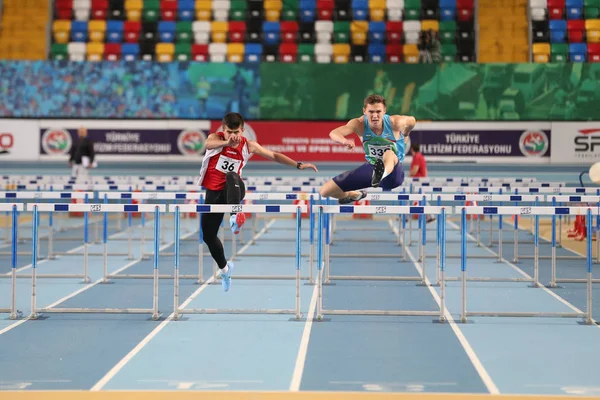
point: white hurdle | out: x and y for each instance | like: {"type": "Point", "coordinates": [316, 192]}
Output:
{"type": "Point", "coordinates": [222, 208]}
{"type": "Point", "coordinates": [536, 212]}
{"type": "Point", "coordinates": [96, 208]}
{"type": "Point", "coordinates": [323, 257]}
{"type": "Point", "coordinates": [13, 209]}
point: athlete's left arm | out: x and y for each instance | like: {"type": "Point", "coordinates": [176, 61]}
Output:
{"type": "Point", "coordinates": [280, 158]}
{"type": "Point", "coordinates": [403, 123]}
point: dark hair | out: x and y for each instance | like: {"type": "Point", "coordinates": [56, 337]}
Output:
{"type": "Point", "coordinates": [374, 99]}
{"type": "Point", "coordinates": [415, 147]}
{"type": "Point", "coordinates": [233, 120]}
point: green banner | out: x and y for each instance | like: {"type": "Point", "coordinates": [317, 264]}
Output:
{"type": "Point", "coordinates": [438, 92]}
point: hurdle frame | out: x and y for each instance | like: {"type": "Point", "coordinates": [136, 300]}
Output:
{"type": "Point", "coordinates": [13, 209]}
{"type": "Point", "coordinates": [102, 208]}
{"type": "Point", "coordinates": [321, 262]}
{"type": "Point", "coordinates": [225, 208]}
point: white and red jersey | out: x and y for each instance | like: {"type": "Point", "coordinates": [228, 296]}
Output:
{"type": "Point", "coordinates": [218, 162]}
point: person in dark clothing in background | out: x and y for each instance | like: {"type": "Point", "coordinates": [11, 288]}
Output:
{"type": "Point", "coordinates": [82, 155]}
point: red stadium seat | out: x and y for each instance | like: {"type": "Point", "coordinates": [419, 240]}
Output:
{"type": "Point", "coordinates": [132, 31]}
{"type": "Point", "coordinates": [393, 31]}
{"type": "Point", "coordinates": [576, 29]}
{"type": "Point", "coordinates": [593, 52]}
{"type": "Point", "coordinates": [99, 9]}
{"type": "Point", "coordinates": [465, 10]}
{"type": "Point", "coordinates": [288, 52]}
{"type": "Point", "coordinates": [393, 53]}
{"type": "Point", "coordinates": [237, 31]}
{"type": "Point", "coordinates": [200, 52]}
{"type": "Point", "coordinates": [168, 10]}
{"type": "Point", "coordinates": [325, 9]}
{"type": "Point", "coordinates": [289, 31]}
{"type": "Point", "coordinates": [64, 9]}
{"type": "Point", "coordinates": [112, 51]}
{"type": "Point", "coordinates": [556, 9]}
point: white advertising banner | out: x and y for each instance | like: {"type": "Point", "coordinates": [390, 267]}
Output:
{"type": "Point", "coordinates": [19, 140]}
{"type": "Point", "coordinates": [575, 143]}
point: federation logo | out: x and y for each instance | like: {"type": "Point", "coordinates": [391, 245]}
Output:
{"type": "Point", "coordinates": [191, 142]}
{"type": "Point", "coordinates": [56, 142]}
{"type": "Point", "coordinates": [533, 143]}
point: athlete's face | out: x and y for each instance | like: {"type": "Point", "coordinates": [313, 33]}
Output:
{"type": "Point", "coordinates": [374, 113]}
{"type": "Point", "coordinates": [229, 132]}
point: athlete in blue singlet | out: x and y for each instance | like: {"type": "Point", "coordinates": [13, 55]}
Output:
{"type": "Point", "coordinates": [383, 139]}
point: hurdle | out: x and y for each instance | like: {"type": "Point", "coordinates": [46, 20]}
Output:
{"type": "Point", "coordinates": [211, 208]}
{"type": "Point", "coordinates": [323, 258]}
{"type": "Point", "coordinates": [13, 209]}
{"type": "Point", "coordinates": [95, 208]}
{"type": "Point", "coordinates": [536, 212]}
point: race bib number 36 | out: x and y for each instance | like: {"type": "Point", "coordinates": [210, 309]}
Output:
{"type": "Point", "coordinates": [377, 151]}
{"type": "Point", "coordinates": [226, 164]}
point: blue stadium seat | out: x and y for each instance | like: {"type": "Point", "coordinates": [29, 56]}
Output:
{"type": "Point", "coordinates": [272, 31]}
{"type": "Point", "coordinates": [574, 9]}
{"type": "Point", "coordinates": [558, 30]}
{"type": "Point", "coordinates": [166, 31]}
{"type": "Point", "coordinates": [186, 10]}
{"type": "Point", "coordinates": [114, 31]}
{"type": "Point", "coordinates": [253, 52]}
{"type": "Point", "coordinates": [578, 52]}
{"type": "Point", "coordinates": [377, 32]}
{"type": "Point", "coordinates": [447, 10]}
{"type": "Point", "coordinates": [377, 52]}
{"type": "Point", "coordinates": [130, 51]}
{"type": "Point", "coordinates": [360, 10]}
{"type": "Point", "coordinates": [308, 10]}
{"type": "Point", "coordinates": [79, 31]}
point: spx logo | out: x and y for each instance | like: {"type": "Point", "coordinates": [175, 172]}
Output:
{"type": "Point", "coordinates": [487, 197]}
{"type": "Point", "coordinates": [587, 143]}
{"type": "Point", "coordinates": [381, 210]}
{"type": "Point", "coordinates": [236, 208]}
{"type": "Point", "coordinates": [7, 141]}
{"type": "Point", "coordinates": [95, 207]}
{"type": "Point", "coordinates": [375, 197]}
{"type": "Point", "coordinates": [525, 210]}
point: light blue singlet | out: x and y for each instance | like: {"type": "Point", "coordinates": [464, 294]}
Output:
{"type": "Point", "coordinates": [375, 145]}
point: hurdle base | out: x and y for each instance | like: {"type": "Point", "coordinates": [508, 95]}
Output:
{"type": "Point", "coordinates": [373, 278]}
{"type": "Point", "coordinates": [526, 314]}
{"type": "Point", "coordinates": [235, 311]}
{"type": "Point", "coordinates": [553, 286]}
{"type": "Point", "coordinates": [577, 280]}
{"type": "Point", "coordinates": [42, 311]}
{"type": "Point", "coordinates": [486, 279]}
{"type": "Point", "coordinates": [391, 313]}
{"type": "Point", "coordinates": [66, 276]}
{"type": "Point", "coordinates": [17, 315]}
{"type": "Point", "coordinates": [535, 285]}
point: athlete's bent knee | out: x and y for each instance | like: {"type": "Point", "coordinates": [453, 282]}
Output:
{"type": "Point", "coordinates": [230, 176]}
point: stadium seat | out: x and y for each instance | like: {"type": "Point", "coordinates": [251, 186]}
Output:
{"type": "Point", "coordinates": [323, 52]}
{"type": "Point", "coordinates": [61, 30]}
{"type": "Point", "coordinates": [253, 52]}
{"type": "Point", "coordinates": [558, 30]}
{"type": "Point", "coordinates": [591, 9]}
{"type": "Point", "coordinates": [79, 31]}
{"type": "Point", "coordinates": [95, 51]}
{"type": "Point", "coordinates": [412, 30]}
{"type": "Point", "coordinates": [183, 51]}
{"type": "Point", "coordinates": [273, 10]}
{"type": "Point", "coordinates": [377, 10]}
{"type": "Point", "coordinates": [203, 10]}
{"type": "Point", "coordinates": [289, 31]}
{"type": "Point", "coordinates": [59, 52]}
{"type": "Point", "coordinates": [254, 31]}
{"type": "Point", "coordinates": [218, 31]}
{"type": "Point", "coordinates": [342, 10]}
{"type": "Point", "coordinates": [394, 32]}
{"type": "Point", "coordinates": [185, 10]}
{"type": "Point", "coordinates": [359, 54]}
{"type": "Point", "coordinates": [576, 30]}
{"type": "Point", "coordinates": [540, 31]}
{"type": "Point", "coordinates": [220, 9]}
{"type": "Point", "coordinates": [377, 53]}
{"type": "Point", "coordinates": [559, 52]}
{"type": "Point", "coordinates": [341, 53]}
{"type": "Point", "coordinates": [395, 10]}
{"type": "Point", "coordinates": [183, 31]}
{"type": "Point", "coordinates": [77, 51]}
{"type": "Point", "coordinates": [272, 31]}
{"type": "Point", "coordinates": [131, 31]}
{"type": "Point", "coordinates": [359, 31]}
{"type": "Point", "coordinates": [360, 10]}
{"type": "Point", "coordinates": [114, 31]}
{"type": "Point", "coordinates": [465, 10]}
{"type": "Point", "coordinates": [130, 51]}
{"type": "Point", "coordinates": [116, 10]}
{"type": "Point", "coordinates": [237, 31]}
{"type": "Point", "coordinates": [577, 52]}
{"type": "Point", "coordinates": [151, 11]}
{"type": "Point", "coordinates": [217, 52]}
{"type": "Point", "coordinates": [97, 30]}
{"type": "Point", "coordinates": [112, 51]}
{"type": "Point", "coordinates": [306, 52]}
{"type": "Point", "coordinates": [133, 10]}
{"type": "Point", "coordinates": [168, 10]}
{"type": "Point", "coordinates": [235, 52]}
{"type": "Point", "coordinates": [237, 11]}
{"type": "Point", "coordinates": [270, 53]}
{"type": "Point", "coordinates": [64, 9]}
{"type": "Point", "coordinates": [147, 50]}
{"type": "Point", "coordinates": [341, 32]}
{"type": "Point", "coordinates": [201, 31]}
{"type": "Point", "coordinates": [411, 53]}
{"type": "Point", "coordinates": [574, 9]}
{"type": "Point", "coordinates": [592, 27]}
{"type": "Point", "coordinates": [377, 32]}
{"type": "Point", "coordinates": [99, 9]}
{"type": "Point", "coordinates": [593, 52]}
{"type": "Point", "coordinates": [307, 10]}
{"type": "Point", "coordinates": [200, 52]}
{"type": "Point", "coordinates": [393, 53]}
{"type": "Point", "coordinates": [556, 9]}
{"type": "Point", "coordinates": [447, 10]}
{"type": "Point", "coordinates": [541, 52]}
{"type": "Point", "coordinates": [165, 52]}
{"type": "Point", "coordinates": [449, 52]}
{"type": "Point", "coordinates": [448, 32]}
{"type": "Point", "coordinates": [166, 31]}
{"type": "Point", "coordinates": [288, 52]}
{"type": "Point", "coordinates": [82, 9]}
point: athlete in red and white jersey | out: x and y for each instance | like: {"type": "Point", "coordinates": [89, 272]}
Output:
{"type": "Point", "coordinates": [227, 153]}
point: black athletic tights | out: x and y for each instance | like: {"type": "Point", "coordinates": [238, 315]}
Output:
{"type": "Point", "coordinates": [233, 193]}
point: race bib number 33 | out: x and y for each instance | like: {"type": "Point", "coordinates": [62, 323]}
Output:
{"type": "Point", "coordinates": [226, 164]}
{"type": "Point", "coordinates": [377, 151]}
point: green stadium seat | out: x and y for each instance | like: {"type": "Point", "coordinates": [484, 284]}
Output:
{"type": "Point", "coordinates": [591, 9]}
{"type": "Point", "coordinates": [237, 12]}
{"type": "Point", "coordinates": [59, 51]}
{"type": "Point", "coordinates": [448, 52]}
{"type": "Point", "coordinates": [183, 51]}
{"type": "Point", "coordinates": [183, 31]}
{"type": "Point", "coordinates": [289, 12]}
{"type": "Point", "coordinates": [559, 52]}
{"type": "Point", "coordinates": [306, 52]}
{"type": "Point", "coordinates": [151, 11]}
{"type": "Point", "coordinates": [412, 10]}
{"type": "Point", "coordinates": [341, 32]}
{"type": "Point", "coordinates": [448, 31]}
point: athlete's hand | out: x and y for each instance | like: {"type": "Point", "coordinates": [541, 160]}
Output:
{"type": "Point", "coordinates": [308, 165]}
{"type": "Point", "coordinates": [349, 144]}
{"type": "Point", "coordinates": [233, 140]}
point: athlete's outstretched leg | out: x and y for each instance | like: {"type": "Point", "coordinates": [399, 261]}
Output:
{"type": "Point", "coordinates": [383, 167]}
{"type": "Point", "coordinates": [235, 190]}
{"type": "Point", "coordinates": [331, 189]}
{"type": "Point", "coordinates": [210, 229]}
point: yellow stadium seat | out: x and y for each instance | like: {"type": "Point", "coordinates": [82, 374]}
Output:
{"type": "Point", "coordinates": [95, 51]}
{"type": "Point", "coordinates": [235, 52]}
{"type": "Point", "coordinates": [541, 52]}
{"type": "Point", "coordinates": [133, 9]}
{"type": "Point", "coordinates": [61, 30]}
{"type": "Point", "coordinates": [430, 24]}
{"type": "Point", "coordinates": [411, 53]}
{"type": "Point", "coordinates": [377, 10]}
{"type": "Point", "coordinates": [219, 31]}
{"type": "Point", "coordinates": [592, 27]}
{"type": "Point", "coordinates": [203, 10]}
{"type": "Point", "coordinates": [273, 10]}
{"type": "Point", "coordinates": [165, 52]}
{"type": "Point", "coordinates": [341, 53]}
{"type": "Point", "coordinates": [97, 30]}
{"type": "Point", "coordinates": [358, 32]}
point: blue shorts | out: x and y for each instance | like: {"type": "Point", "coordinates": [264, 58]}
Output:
{"type": "Point", "coordinates": [360, 178]}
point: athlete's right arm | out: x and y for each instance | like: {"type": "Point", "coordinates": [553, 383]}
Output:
{"type": "Point", "coordinates": [339, 134]}
{"type": "Point", "coordinates": [214, 141]}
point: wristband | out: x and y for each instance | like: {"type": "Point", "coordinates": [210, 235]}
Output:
{"type": "Point", "coordinates": [298, 164]}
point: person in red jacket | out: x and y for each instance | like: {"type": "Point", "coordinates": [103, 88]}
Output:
{"type": "Point", "coordinates": [418, 166]}
{"type": "Point", "coordinates": [227, 153]}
